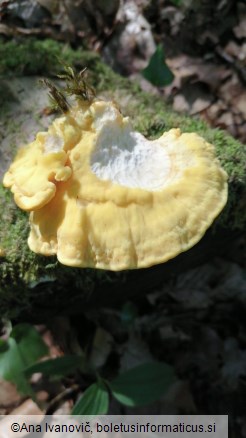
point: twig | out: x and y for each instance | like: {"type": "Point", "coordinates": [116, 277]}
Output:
{"type": "Point", "coordinates": [60, 397]}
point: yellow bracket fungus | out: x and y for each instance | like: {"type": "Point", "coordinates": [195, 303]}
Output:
{"type": "Point", "coordinates": [101, 195]}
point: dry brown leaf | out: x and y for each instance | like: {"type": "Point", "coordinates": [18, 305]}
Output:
{"type": "Point", "coordinates": [231, 89]}
{"type": "Point", "coordinates": [180, 104]}
{"type": "Point", "coordinates": [233, 49]}
{"type": "Point", "coordinates": [65, 408]}
{"type": "Point", "coordinates": [50, 5]}
{"type": "Point", "coordinates": [234, 363]}
{"type": "Point", "coordinates": [226, 119]}
{"type": "Point", "coordinates": [185, 67]}
{"type": "Point", "coordinates": [240, 103]}
{"type": "Point", "coordinates": [199, 105]}
{"type": "Point", "coordinates": [134, 352]}
{"type": "Point", "coordinates": [174, 16]}
{"type": "Point", "coordinates": [8, 394]}
{"type": "Point", "coordinates": [240, 29]}
{"type": "Point", "coordinates": [23, 411]}
{"type": "Point", "coordinates": [193, 298]}
{"type": "Point", "coordinates": [29, 407]}
{"type": "Point", "coordinates": [215, 110]}
{"type": "Point", "coordinates": [242, 132]}
{"type": "Point", "coordinates": [181, 397]}
{"type": "Point", "coordinates": [168, 333]}
{"type": "Point", "coordinates": [5, 30]}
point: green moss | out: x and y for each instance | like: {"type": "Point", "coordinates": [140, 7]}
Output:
{"type": "Point", "coordinates": [28, 281]}
{"type": "Point", "coordinates": [31, 56]}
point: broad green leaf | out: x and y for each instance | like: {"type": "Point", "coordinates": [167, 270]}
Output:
{"type": "Point", "coordinates": [143, 384]}
{"type": "Point", "coordinates": [22, 349]}
{"type": "Point", "coordinates": [4, 346]}
{"type": "Point", "coordinates": [157, 72]}
{"type": "Point", "coordinates": [58, 367]}
{"type": "Point", "coordinates": [11, 366]}
{"type": "Point", "coordinates": [30, 344]}
{"type": "Point", "coordinates": [94, 401]}
{"type": "Point", "coordinates": [177, 2]}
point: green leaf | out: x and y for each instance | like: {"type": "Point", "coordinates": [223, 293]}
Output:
{"type": "Point", "coordinates": [30, 344]}
{"type": "Point", "coordinates": [143, 384]}
{"type": "Point", "coordinates": [58, 367]}
{"type": "Point", "coordinates": [157, 72]}
{"type": "Point", "coordinates": [177, 2]}
{"type": "Point", "coordinates": [3, 346]}
{"type": "Point", "coordinates": [22, 349]}
{"type": "Point", "coordinates": [11, 366]}
{"type": "Point", "coordinates": [94, 401]}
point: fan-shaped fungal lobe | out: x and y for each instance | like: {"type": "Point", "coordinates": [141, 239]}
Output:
{"type": "Point", "coordinates": [101, 195]}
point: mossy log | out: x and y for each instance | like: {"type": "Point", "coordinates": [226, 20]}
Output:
{"type": "Point", "coordinates": [37, 287]}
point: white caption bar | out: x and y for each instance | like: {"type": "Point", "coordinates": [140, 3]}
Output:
{"type": "Point", "coordinates": [109, 426]}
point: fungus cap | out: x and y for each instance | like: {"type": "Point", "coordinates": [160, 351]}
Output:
{"type": "Point", "coordinates": [101, 195]}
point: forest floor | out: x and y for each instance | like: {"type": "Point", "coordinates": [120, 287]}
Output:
{"type": "Point", "coordinates": [195, 322]}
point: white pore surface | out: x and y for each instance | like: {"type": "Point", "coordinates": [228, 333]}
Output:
{"type": "Point", "coordinates": [53, 140]}
{"type": "Point", "coordinates": [53, 143]}
{"type": "Point", "coordinates": [126, 157]}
